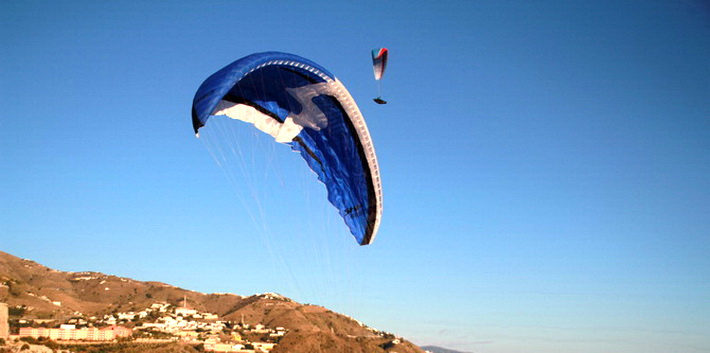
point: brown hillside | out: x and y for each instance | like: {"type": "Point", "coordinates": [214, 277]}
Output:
{"type": "Point", "coordinates": [322, 342]}
{"type": "Point", "coordinates": [50, 294]}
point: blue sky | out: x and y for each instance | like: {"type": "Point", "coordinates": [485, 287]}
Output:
{"type": "Point", "coordinates": [545, 165]}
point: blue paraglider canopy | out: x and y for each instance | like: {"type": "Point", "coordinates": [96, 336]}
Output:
{"type": "Point", "coordinates": [300, 103]}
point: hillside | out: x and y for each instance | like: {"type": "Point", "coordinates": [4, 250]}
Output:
{"type": "Point", "coordinates": [46, 293]}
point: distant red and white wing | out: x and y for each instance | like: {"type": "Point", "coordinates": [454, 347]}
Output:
{"type": "Point", "coordinates": [379, 62]}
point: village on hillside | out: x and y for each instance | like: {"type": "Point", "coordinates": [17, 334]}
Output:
{"type": "Point", "coordinates": [161, 322]}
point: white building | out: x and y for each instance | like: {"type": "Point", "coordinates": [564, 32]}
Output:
{"type": "Point", "coordinates": [263, 346]}
{"type": "Point", "coordinates": [185, 312]}
{"type": "Point", "coordinates": [4, 321]}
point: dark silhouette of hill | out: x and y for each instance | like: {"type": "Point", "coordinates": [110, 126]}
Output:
{"type": "Point", "coordinates": [51, 294]}
{"type": "Point", "coordinates": [435, 349]}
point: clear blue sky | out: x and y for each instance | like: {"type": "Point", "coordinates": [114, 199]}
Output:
{"type": "Point", "coordinates": [545, 165]}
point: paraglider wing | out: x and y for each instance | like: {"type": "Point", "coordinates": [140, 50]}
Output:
{"type": "Point", "coordinates": [379, 62]}
{"type": "Point", "coordinates": [300, 103]}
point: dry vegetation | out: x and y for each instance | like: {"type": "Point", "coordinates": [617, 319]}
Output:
{"type": "Point", "coordinates": [34, 291]}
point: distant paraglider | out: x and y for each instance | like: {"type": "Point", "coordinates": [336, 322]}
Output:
{"type": "Point", "coordinates": [379, 64]}
{"type": "Point", "coordinates": [303, 105]}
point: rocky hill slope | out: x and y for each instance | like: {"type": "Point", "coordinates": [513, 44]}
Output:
{"type": "Point", "coordinates": [46, 293]}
